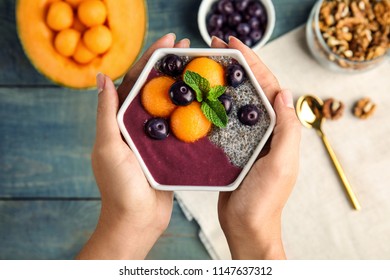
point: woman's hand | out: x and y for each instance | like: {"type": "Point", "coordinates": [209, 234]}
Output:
{"type": "Point", "coordinates": [250, 216]}
{"type": "Point", "coordinates": [133, 215]}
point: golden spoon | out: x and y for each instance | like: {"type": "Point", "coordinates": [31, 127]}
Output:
{"type": "Point", "coordinates": [309, 111]}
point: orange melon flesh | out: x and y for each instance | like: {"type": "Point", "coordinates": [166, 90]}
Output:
{"type": "Point", "coordinates": [127, 21]}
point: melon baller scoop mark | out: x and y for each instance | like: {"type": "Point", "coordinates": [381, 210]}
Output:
{"type": "Point", "coordinates": [309, 111]}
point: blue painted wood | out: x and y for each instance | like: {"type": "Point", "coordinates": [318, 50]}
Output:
{"type": "Point", "coordinates": [58, 230]}
{"type": "Point", "coordinates": [164, 16]}
{"type": "Point", "coordinates": [46, 135]}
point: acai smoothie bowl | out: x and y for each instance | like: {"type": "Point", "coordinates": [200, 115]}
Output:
{"type": "Point", "coordinates": [196, 119]}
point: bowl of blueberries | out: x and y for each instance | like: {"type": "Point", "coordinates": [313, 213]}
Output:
{"type": "Point", "coordinates": [251, 21]}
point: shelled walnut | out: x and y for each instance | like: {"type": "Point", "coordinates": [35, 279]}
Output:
{"type": "Point", "coordinates": [364, 108]}
{"type": "Point", "coordinates": [357, 30]}
{"type": "Point", "coordinates": [332, 109]}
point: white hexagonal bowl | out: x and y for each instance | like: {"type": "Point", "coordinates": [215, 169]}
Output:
{"type": "Point", "coordinates": [192, 53]}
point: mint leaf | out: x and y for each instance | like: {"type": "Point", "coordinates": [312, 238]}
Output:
{"type": "Point", "coordinates": [211, 107]}
{"type": "Point", "coordinates": [191, 81]}
{"type": "Point", "coordinates": [215, 112]}
{"type": "Point", "coordinates": [215, 92]}
{"type": "Point", "coordinates": [199, 84]}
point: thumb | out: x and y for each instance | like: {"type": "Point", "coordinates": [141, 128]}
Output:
{"type": "Point", "coordinates": [106, 124]}
{"type": "Point", "coordinates": [287, 133]}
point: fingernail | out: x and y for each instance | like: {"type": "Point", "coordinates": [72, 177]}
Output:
{"type": "Point", "coordinates": [287, 98]}
{"type": "Point", "coordinates": [214, 38]}
{"type": "Point", "coordinates": [100, 82]}
{"type": "Point", "coordinates": [172, 34]}
{"type": "Point", "coordinates": [233, 38]}
{"type": "Point", "coordinates": [185, 40]}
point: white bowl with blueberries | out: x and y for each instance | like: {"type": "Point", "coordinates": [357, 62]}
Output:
{"type": "Point", "coordinates": [251, 21]}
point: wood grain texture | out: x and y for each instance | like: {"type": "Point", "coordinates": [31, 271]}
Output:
{"type": "Point", "coordinates": [46, 135]}
{"type": "Point", "coordinates": [59, 229]}
{"type": "Point", "coordinates": [175, 16]}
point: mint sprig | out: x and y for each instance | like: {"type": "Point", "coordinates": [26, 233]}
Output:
{"type": "Point", "coordinates": [199, 84]}
{"type": "Point", "coordinates": [211, 107]}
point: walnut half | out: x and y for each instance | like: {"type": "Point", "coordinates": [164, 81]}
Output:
{"type": "Point", "coordinates": [332, 109]}
{"type": "Point", "coordinates": [364, 108]}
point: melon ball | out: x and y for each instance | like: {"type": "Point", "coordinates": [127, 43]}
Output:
{"type": "Point", "coordinates": [92, 12]}
{"type": "Point", "coordinates": [66, 41]}
{"type": "Point", "coordinates": [59, 16]}
{"type": "Point", "coordinates": [98, 39]}
{"type": "Point", "coordinates": [82, 54]}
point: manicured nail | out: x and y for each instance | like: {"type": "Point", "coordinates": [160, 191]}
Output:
{"type": "Point", "coordinates": [287, 98]}
{"type": "Point", "coordinates": [171, 34]}
{"type": "Point", "coordinates": [232, 38]}
{"type": "Point", "coordinates": [216, 39]}
{"type": "Point", "coordinates": [185, 40]}
{"type": "Point", "coordinates": [100, 82]}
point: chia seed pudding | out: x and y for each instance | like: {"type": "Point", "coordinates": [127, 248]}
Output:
{"type": "Point", "coordinates": [215, 160]}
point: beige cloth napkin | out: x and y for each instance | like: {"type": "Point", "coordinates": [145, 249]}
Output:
{"type": "Point", "coordinates": [318, 220]}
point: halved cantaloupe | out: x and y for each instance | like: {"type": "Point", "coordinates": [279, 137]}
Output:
{"type": "Point", "coordinates": [126, 19]}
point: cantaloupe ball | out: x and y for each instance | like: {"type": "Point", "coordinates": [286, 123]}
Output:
{"type": "Point", "coordinates": [98, 39]}
{"type": "Point", "coordinates": [92, 12]}
{"type": "Point", "coordinates": [59, 16]}
{"type": "Point", "coordinates": [66, 41]}
{"type": "Point", "coordinates": [74, 3]}
{"type": "Point", "coordinates": [82, 54]}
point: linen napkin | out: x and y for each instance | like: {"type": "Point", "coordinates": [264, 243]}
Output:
{"type": "Point", "coordinates": [318, 220]}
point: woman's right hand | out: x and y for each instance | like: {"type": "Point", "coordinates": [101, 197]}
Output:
{"type": "Point", "coordinates": [250, 216]}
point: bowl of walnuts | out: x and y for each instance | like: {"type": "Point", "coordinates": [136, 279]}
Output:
{"type": "Point", "coordinates": [349, 35]}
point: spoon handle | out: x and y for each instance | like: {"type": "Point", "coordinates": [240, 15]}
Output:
{"type": "Point", "coordinates": [341, 173]}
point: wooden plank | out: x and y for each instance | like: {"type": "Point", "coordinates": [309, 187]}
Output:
{"type": "Point", "coordinates": [15, 68]}
{"type": "Point", "coordinates": [59, 229]}
{"type": "Point", "coordinates": [163, 17]}
{"type": "Point", "coordinates": [180, 241]}
{"type": "Point", "coordinates": [46, 136]}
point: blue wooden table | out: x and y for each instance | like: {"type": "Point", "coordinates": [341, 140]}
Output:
{"type": "Point", "coordinates": [49, 202]}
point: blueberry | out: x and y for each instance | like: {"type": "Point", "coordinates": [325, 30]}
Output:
{"type": "Point", "coordinates": [256, 9]}
{"type": "Point", "coordinates": [217, 33]}
{"type": "Point", "coordinates": [227, 102]}
{"type": "Point", "coordinates": [157, 128]}
{"type": "Point", "coordinates": [256, 35]}
{"type": "Point", "coordinates": [181, 94]}
{"type": "Point", "coordinates": [241, 5]}
{"type": "Point", "coordinates": [215, 21]}
{"type": "Point", "coordinates": [225, 7]}
{"type": "Point", "coordinates": [254, 23]}
{"type": "Point", "coordinates": [263, 18]}
{"type": "Point", "coordinates": [172, 65]}
{"type": "Point", "coordinates": [246, 40]}
{"type": "Point", "coordinates": [234, 19]}
{"type": "Point", "coordinates": [243, 29]}
{"type": "Point", "coordinates": [235, 75]}
{"type": "Point", "coordinates": [249, 114]}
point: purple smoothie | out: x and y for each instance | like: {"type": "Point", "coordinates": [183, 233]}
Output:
{"type": "Point", "coordinates": [173, 162]}
{"type": "Point", "coordinates": [215, 160]}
